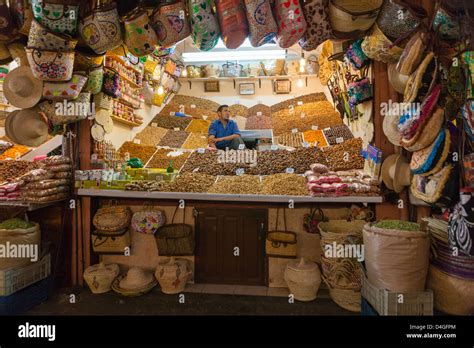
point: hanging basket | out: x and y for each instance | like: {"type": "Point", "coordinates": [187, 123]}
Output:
{"type": "Point", "coordinates": [281, 243]}
{"type": "Point", "coordinates": [113, 218]}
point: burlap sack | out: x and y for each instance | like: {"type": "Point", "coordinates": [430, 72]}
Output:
{"type": "Point", "coordinates": [19, 239]}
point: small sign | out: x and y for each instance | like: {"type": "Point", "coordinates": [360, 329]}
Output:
{"type": "Point", "coordinates": [193, 106]}
{"type": "Point", "coordinates": [136, 141]}
{"type": "Point", "coordinates": [195, 170]}
{"type": "Point", "coordinates": [176, 129]}
{"type": "Point", "coordinates": [241, 146]}
{"type": "Point", "coordinates": [204, 117]}
{"type": "Point", "coordinates": [314, 127]}
{"type": "Point", "coordinates": [259, 113]}
{"type": "Point", "coordinates": [201, 150]}
{"type": "Point", "coordinates": [294, 130]}
{"type": "Point", "coordinates": [327, 129]}
{"type": "Point", "coordinates": [274, 147]}
{"type": "Point", "coordinates": [154, 124]}
{"type": "Point", "coordinates": [300, 103]}
{"type": "Point", "coordinates": [240, 171]}
{"type": "Point", "coordinates": [289, 170]}
{"type": "Point", "coordinates": [302, 115]}
{"type": "Point", "coordinates": [339, 140]}
{"type": "Point", "coordinates": [305, 144]}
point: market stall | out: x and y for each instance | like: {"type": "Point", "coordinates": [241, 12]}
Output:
{"type": "Point", "coordinates": [350, 127]}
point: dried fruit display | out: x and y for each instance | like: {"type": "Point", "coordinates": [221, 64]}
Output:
{"type": "Point", "coordinates": [308, 98]}
{"type": "Point", "coordinates": [240, 184]}
{"type": "Point", "coordinates": [345, 156]}
{"type": "Point", "coordinates": [192, 182]}
{"type": "Point", "coordinates": [264, 109]}
{"type": "Point", "coordinates": [284, 184]}
{"type": "Point", "coordinates": [198, 126]}
{"type": "Point", "coordinates": [198, 113]}
{"type": "Point", "coordinates": [143, 185]}
{"type": "Point", "coordinates": [289, 139]}
{"type": "Point", "coordinates": [151, 135]}
{"type": "Point", "coordinates": [162, 158]}
{"type": "Point", "coordinates": [315, 137]}
{"type": "Point", "coordinates": [201, 103]}
{"type": "Point", "coordinates": [338, 134]}
{"type": "Point", "coordinates": [10, 170]}
{"type": "Point", "coordinates": [174, 138]}
{"type": "Point", "coordinates": [140, 151]}
{"type": "Point", "coordinates": [195, 141]}
{"type": "Point", "coordinates": [238, 110]}
{"type": "Point", "coordinates": [171, 122]}
{"type": "Point", "coordinates": [241, 121]}
{"type": "Point", "coordinates": [15, 152]}
{"type": "Point", "coordinates": [258, 122]}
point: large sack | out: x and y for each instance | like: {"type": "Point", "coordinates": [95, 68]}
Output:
{"type": "Point", "coordinates": [19, 239]}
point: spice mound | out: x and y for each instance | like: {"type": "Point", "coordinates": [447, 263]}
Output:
{"type": "Point", "coordinates": [284, 184]}
{"type": "Point", "coordinates": [192, 182]}
{"type": "Point", "coordinates": [241, 184]}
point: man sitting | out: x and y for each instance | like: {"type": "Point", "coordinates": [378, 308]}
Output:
{"type": "Point", "coordinates": [224, 133]}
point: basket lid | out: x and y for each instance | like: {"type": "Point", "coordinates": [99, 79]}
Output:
{"type": "Point", "coordinates": [102, 269]}
{"type": "Point", "coordinates": [302, 265]}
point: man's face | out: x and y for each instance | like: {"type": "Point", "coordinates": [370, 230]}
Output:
{"type": "Point", "coordinates": [224, 114]}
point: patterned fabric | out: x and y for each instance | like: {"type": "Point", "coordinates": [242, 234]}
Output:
{"type": "Point", "coordinates": [359, 91]}
{"type": "Point", "coordinates": [424, 160]}
{"type": "Point", "coordinates": [94, 82]}
{"type": "Point", "coordinates": [290, 20]}
{"type": "Point", "coordinates": [64, 90]}
{"type": "Point", "coordinates": [111, 85]}
{"type": "Point", "coordinates": [44, 39]}
{"type": "Point", "coordinates": [205, 30]}
{"type": "Point", "coordinates": [140, 38]}
{"type": "Point", "coordinates": [396, 20]}
{"type": "Point", "coordinates": [170, 24]}
{"type": "Point", "coordinates": [355, 56]}
{"type": "Point", "coordinates": [319, 29]}
{"type": "Point", "coordinates": [233, 22]}
{"type": "Point", "coordinates": [148, 222]}
{"type": "Point", "coordinates": [101, 29]}
{"type": "Point", "coordinates": [461, 223]}
{"type": "Point", "coordinates": [262, 25]}
{"type": "Point", "coordinates": [446, 24]}
{"type": "Point", "coordinates": [378, 47]}
{"type": "Point", "coordinates": [57, 17]}
{"type": "Point", "coordinates": [50, 65]}
{"type": "Point", "coordinates": [468, 60]}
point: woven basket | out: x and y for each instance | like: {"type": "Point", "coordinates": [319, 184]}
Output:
{"type": "Point", "coordinates": [350, 19]}
{"type": "Point", "coordinates": [341, 273]}
{"type": "Point", "coordinates": [110, 242]}
{"type": "Point", "coordinates": [132, 293]}
{"type": "Point", "coordinates": [99, 277]}
{"type": "Point", "coordinates": [19, 236]}
{"type": "Point", "coordinates": [346, 298]}
{"type": "Point", "coordinates": [281, 243]}
{"type": "Point", "coordinates": [175, 239]}
{"type": "Point", "coordinates": [173, 275]}
{"type": "Point", "coordinates": [113, 218]}
{"type": "Point", "coordinates": [452, 295]}
{"type": "Point", "coordinates": [303, 279]}
{"type": "Point", "coordinates": [339, 230]}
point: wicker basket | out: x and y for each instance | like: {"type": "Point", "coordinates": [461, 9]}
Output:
{"type": "Point", "coordinates": [338, 231]}
{"type": "Point", "coordinates": [113, 218]}
{"type": "Point", "coordinates": [99, 277]}
{"type": "Point", "coordinates": [348, 299]}
{"type": "Point", "coordinates": [281, 243]}
{"type": "Point", "coordinates": [175, 239]}
{"type": "Point", "coordinates": [173, 275]}
{"type": "Point", "coordinates": [110, 242]}
{"type": "Point", "coordinates": [342, 273]}
{"type": "Point", "coordinates": [352, 18]}
{"type": "Point", "coordinates": [452, 295]}
{"type": "Point", "coordinates": [303, 279]}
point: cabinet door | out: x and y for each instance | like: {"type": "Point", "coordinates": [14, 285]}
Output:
{"type": "Point", "coordinates": [230, 246]}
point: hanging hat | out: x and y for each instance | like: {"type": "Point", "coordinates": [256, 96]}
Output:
{"type": "Point", "coordinates": [396, 172]}
{"type": "Point", "coordinates": [27, 127]}
{"type": "Point", "coordinates": [427, 134]}
{"type": "Point", "coordinates": [440, 189]}
{"type": "Point", "coordinates": [397, 81]}
{"type": "Point", "coordinates": [17, 51]}
{"type": "Point", "coordinates": [430, 160]}
{"type": "Point", "coordinates": [390, 124]}
{"type": "Point", "coordinates": [422, 80]}
{"type": "Point", "coordinates": [22, 89]}
{"type": "Point", "coordinates": [136, 282]}
{"type": "Point", "coordinates": [5, 56]}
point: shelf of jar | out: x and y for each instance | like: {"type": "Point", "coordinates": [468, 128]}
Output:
{"type": "Point", "coordinates": [124, 121]}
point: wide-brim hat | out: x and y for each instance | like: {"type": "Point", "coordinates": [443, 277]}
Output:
{"type": "Point", "coordinates": [396, 172]}
{"type": "Point", "coordinates": [397, 80]}
{"type": "Point", "coordinates": [427, 134]}
{"type": "Point", "coordinates": [422, 79]}
{"type": "Point", "coordinates": [390, 127]}
{"type": "Point", "coordinates": [22, 89]}
{"type": "Point", "coordinates": [17, 51]}
{"type": "Point", "coordinates": [440, 189]}
{"type": "Point", "coordinates": [136, 282]}
{"type": "Point", "coordinates": [5, 56]}
{"type": "Point", "coordinates": [27, 127]}
{"type": "Point", "coordinates": [430, 160]}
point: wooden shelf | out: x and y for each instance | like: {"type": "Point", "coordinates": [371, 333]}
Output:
{"type": "Point", "coordinates": [30, 206]}
{"type": "Point", "coordinates": [254, 78]}
{"type": "Point", "coordinates": [126, 122]}
{"type": "Point", "coordinates": [125, 78]}
{"type": "Point", "coordinates": [123, 101]}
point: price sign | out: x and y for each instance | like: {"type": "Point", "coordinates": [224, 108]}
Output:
{"type": "Point", "coordinates": [136, 141]}
{"type": "Point", "coordinates": [195, 170]}
{"type": "Point", "coordinates": [339, 140]}
{"type": "Point", "coordinates": [314, 127]}
{"type": "Point", "coordinates": [305, 144]}
{"type": "Point", "coordinates": [241, 146]}
{"type": "Point", "coordinates": [193, 106]}
{"type": "Point", "coordinates": [300, 103]}
{"type": "Point", "coordinates": [181, 108]}
{"type": "Point", "coordinates": [294, 130]}
{"type": "Point", "coordinates": [327, 129]}
{"type": "Point", "coordinates": [240, 171]}
{"type": "Point", "coordinates": [176, 129]}
{"type": "Point", "coordinates": [289, 171]}
{"type": "Point", "coordinates": [201, 150]}
{"type": "Point", "coordinates": [204, 117]}
{"type": "Point", "coordinates": [274, 147]}
{"type": "Point", "coordinates": [94, 157]}
{"type": "Point", "coordinates": [154, 124]}
{"type": "Point", "coordinates": [302, 115]}
{"type": "Point", "coordinates": [259, 113]}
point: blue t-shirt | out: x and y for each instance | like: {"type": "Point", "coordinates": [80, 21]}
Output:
{"type": "Point", "coordinates": [217, 129]}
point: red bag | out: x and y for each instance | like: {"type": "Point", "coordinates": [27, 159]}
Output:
{"type": "Point", "coordinates": [233, 22]}
{"type": "Point", "coordinates": [291, 22]}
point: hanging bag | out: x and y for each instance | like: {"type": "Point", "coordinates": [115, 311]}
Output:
{"type": "Point", "coordinates": [148, 221]}
{"type": "Point", "coordinates": [175, 239]}
{"type": "Point", "coordinates": [291, 22]}
{"type": "Point", "coordinates": [379, 47]}
{"type": "Point", "coordinates": [233, 22]}
{"type": "Point", "coordinates": [58, 15]}
{"type": "Point", "coordinates": [140, 38]}
{"type": "Point", "coordinates": [8, 29]}
{"type": "Point", "coordinates": [22, 13]}
{"type": "Point", "coordinates": [43, 38]}
{"type": "Point", "coordinates": [281, 243]}
{"type": "Point", "coordinates": [319, 28]}
{"type": "Point", "coordinates": [110, 242]}
{"type": "Point", "coordinates": [205, 30]}
{"type": "Point", "coordinates": [50, 65]}
{"type": "Point", "coordinates": [111, 84]}
{"type": "Point", "coordinates": [101, 28]}
{"type": "Point", "coordinates": [170, 24]}
{"type": "Point", "coordinates": [262, 25]}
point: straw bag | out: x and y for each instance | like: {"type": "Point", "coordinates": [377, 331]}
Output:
{"type": "Point", "coordinates": [22, 14]}
{"type": "Point", "coordinates": [233, 22]}
{"type": "Point", "coordinates": [281, 243]}
{"type": "Point", "coordinates": [350, 19]}
{"type": "Point", "coordinates": [262, 25]}
{"type": "Point", "coordinates": [397, 18]}
{"type": "Point", "coordinates": [175, 239]}
{"type": "Point", "coordinates": [99, 277]}
{"type": "Point", "coordinates": [43, 38]}
{"type": "Point", "coordinates": [58, 15]}
{"type": "Point", "coordinates": [81, 106]}
{"type": "Point", "coordinates": [140, 38]}
{"type": "Point", "coordinates": [378, 47]}
{"type": "Point", "coordinates": [148, 221]}
{"type": "Point", "coordinates": [319, 28]}
{"type": "Point", "coordinates": [104, 242]}
{"type": "Point", "coordinates": [170, 24]}
{"type": "Point", "coordinates": [87, 60]}
{"type": "Point", "coordinates": [50, 65]}
{"type": "Point", "coordinates": [95, 81]}
{"type": "Point", "coordinates": [112, 218]}
{"type": "Point", "coordinates": [205, 30]}
{"type": "Point", "coordinates": [103, 101]}
{"type": "Point", "coordinates": [291, 22]}
{"type": "Point", "coordinates": [101, 28]}
{"type": "Point", "coordinates": [67, 90]}
{"type": "Point", "coordinates": [8, 29]}
{"type": "Point", "coordinates": [413, 53]}
{"type": "Point", "coordinates": [232, 69]}
{"type": "Point", "coordinates": [173, 275]}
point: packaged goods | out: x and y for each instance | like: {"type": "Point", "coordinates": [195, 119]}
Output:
{"type": "Point", "coordinates": [9, 170]}
{"type": "Point", "coordinates": [56, 160]}
{"type": "Point", "coordinates": [46, 184]}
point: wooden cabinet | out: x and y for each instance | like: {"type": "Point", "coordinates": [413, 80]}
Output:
{"type": "Point", "coordinates": [230, 246]}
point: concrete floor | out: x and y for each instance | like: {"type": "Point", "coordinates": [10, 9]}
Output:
{"type": "Point", "coordinates": [270, 302]}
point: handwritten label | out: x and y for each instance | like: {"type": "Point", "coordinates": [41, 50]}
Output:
{"type": "Point", "coordinates": [259, 113]}
{"type": "Point", "coordinates": [240, 171]}
{"type": "Point", "coordinates": [300, 103]}
{"type": "Point", "coordinates": [339, 140]}
{"type": "Point", "coordinates": [314, 127]}
{"type": "Point", "coordinates": [154, 124]}
{"type": "Point", "coordinates": [274, 147]}
{"type": "Point", "coordinates": [136, 141]}
{"type": "Point", "coordinates": [241, 146]}
{"type": "Point", "coordinates": [204, 117]}
{"type": "Point", "coordinates": [327, 129]}
{"type": "Point", "coordinates": [193, 106]}
{"type": "Point", "coordinates": [201, 150]}
{"type": "Point", "coordinates": [294, 130]}
{"type": "Point", "coordinates": [305, 144]}
{"type": "Point", "coordinates": [176, 129]}
{"type": "Point", "coordinates": [289, 171]}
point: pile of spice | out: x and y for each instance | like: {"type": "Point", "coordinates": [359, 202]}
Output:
{"type": "Point", "coordinates": [198, 126]}
{"type": "Point", "coordinates": [192, 182]}
{"type": "Point", "coordinates": [140, 151]}
{"type": "Point", "coordinates": [171, 122]}
{"type": "Point", "coordinates": [284, 184]}
{"type": "Point", "coordinates": [14, 152]}
{"type": "Point", "coordinates": [345, 156]}
{"type": "Point", "coordinates": [11, 170]}
{"type": "Point", "coordinates": [258, 122]}
{"type": "Point", "coordinates": [151, 136]}
{"type": "Point", "coordinates": [315, 137]}
{"type": "Point", "coordinates": [195, 141]}
{"type": "Point", "coordinates": [162, 158]}
{"type": "Point", "coordinates": [398, 225]}
{"type": "Point", "coordinates": [15, 223]}
{"type": "Point", "coordinates": [240, 184]}
{"type": "Point", "coordinates": [174, 138]}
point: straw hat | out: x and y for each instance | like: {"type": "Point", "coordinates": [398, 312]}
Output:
{"type": "Point", "coordinates": [22, 89]}
{"type": "Point", "coordinates": [27, 127]}
{"type": "Point", "coordinates": [396, 172]}
{"type": "Point", "coordinates": [136, 278]}
{"type": "Point", "coordinates": [397, 81]}
{"type": "Point", "coordinates": [429, 160]}
{"type": "Point", "coordinates": [427, 134]}
{"type": "Point", "coordinates": [418, 82]}
{"type": "Point", "coordinates": [390, 127]}
{"type": "Point", "coordinates": [17, 50]}
{"type": "Point", "coordinates": [5, 56]}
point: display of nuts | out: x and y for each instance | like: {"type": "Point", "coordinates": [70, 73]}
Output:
{"type": "Point", "coordinates": [195, 141]}
{"type": "Point", "coordinates": [192, 182]}
{"type": "Point", "coordinates": [338, 134]}
{"type": "Point", "coordinates": [171, 122]}
{"type": "Point", "coordinates": [151, 136]}
{"type": "Point", "coordinates": [259, 122]}
{"type": "Point", "coordinates": [241, 184]}
{"type": "Point", "coordinates": [162, 158]}
{"type": "Point", "coordinates": [142, 152]}
{"type": "Point", "coordinates": [344, 156]}
{"type": "Point", "coordinates": [289, 139]}
{"type": "Point", "coordinates": [10, 170]}
{"type": "Point", "coordinates": [174, 138]}
{"type": "Point", "coordinates": [284, 184]}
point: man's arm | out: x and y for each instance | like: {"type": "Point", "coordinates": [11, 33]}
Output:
{"type": "Point", "coordinates": [235, 131]}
